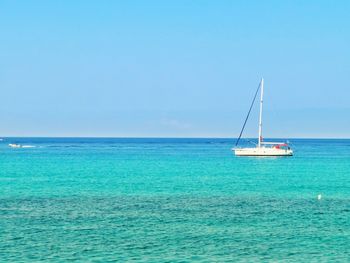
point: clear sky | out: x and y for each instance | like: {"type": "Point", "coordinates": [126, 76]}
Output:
{"type": "Point", "coordinates": [173, 68]}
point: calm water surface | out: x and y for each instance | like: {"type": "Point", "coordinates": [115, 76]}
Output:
{"type": "Point", "coordinates": [175, 200]}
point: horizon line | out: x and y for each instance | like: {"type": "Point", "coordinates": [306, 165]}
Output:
{"type": "Point", "coordinates": [171, 137]}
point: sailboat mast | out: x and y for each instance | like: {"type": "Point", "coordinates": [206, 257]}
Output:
{"type": "Point", "coordinates": [260, 115]}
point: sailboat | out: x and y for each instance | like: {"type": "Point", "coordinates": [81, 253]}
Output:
{"type": "Point", "coordinates": [262, 148]}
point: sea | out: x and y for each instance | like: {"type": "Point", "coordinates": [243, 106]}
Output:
{"type": "Point", "coordinates": [172, 200]}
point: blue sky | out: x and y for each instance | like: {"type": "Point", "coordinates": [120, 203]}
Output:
{"type": "Point", "coordinates": [173, 68]}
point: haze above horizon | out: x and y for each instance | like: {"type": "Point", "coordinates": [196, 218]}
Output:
{"type": "Point", "coordinates": [174, 68]}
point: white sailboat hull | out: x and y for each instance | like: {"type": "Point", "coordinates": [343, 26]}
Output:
{"type": "Point", "coordinates": [262, 151]}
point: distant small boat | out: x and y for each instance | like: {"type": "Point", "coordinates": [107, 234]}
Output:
{"type": "Point", "coordinates": [14, 145]}
{"type": "Point", "coordinates": [263, 148]}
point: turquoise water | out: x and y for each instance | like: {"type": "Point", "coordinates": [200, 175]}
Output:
{"type": "Point", "coordinates": [172, 200]}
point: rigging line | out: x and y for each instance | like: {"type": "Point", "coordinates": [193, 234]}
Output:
{"type": "Point", "coordinates": [252, 142]}
{"type": "Point", "coordinates": [246, 119]}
